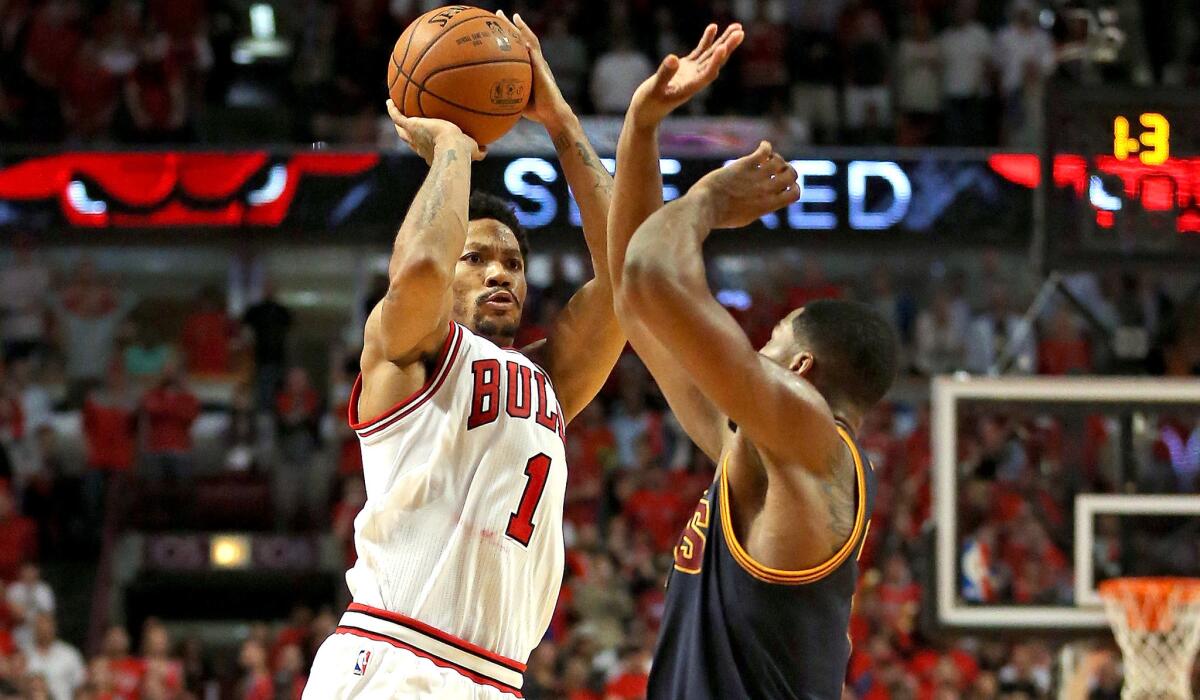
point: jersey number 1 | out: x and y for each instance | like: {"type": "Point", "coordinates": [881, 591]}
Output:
{"type": "Point", "coordinates": [520, 523]}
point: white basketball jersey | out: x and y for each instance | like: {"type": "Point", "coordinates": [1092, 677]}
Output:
{"type": "Point", "coordinates": [462, 529]}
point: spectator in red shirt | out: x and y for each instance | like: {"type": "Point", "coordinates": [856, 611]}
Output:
{"type": "Point", "coordinates": [123, 671]}
{"type": "Point", "coordinates": [18, 537]}
{"type": "Point", "coordinates": [110, 437]}
{"type": "Point", "coordinates": [51, 40]}
{"type": "Point", "coordinates": [1063, 348]}
{"type": "Point", "coordinates": [155, 97]}
{"type": "Point", "coordinates": [576, 680]}
{"type": "Point", "coordinates": [590, 448]}
{"type": "Point", "coordinates": [297, 632]}
{"type": "Point", "coordinates": [290, 677]}
{"type": "Point", "coordinates": [652, 602]}
{"type": "Point", "coordinates": [207, 336]}
{"type": "Point", "coordinates": [99, 682]}
{"type": "Point", "coordinates": [163, 670]}
{"type": "Point", "coordinates": [256, 683]}
{"type": "Point", "coordinates": [764, 70]}
{"type": "Point", "coordinates": [168, 411]}
{"type": "Point", "coordinates": [630, 681]}
{"type": "Point", "coordinates": [89, 96]}
{"type": "Point", "coordinates": [899, 596]}
{"type": "Point", "coordinates": [183, 29]}
{"type": "Point", "coordinates": [658, 508]}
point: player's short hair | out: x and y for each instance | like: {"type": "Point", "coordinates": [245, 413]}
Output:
{"type": "Point", "coordinates": [489, 206]}
{"type": "Point", "coordinates": [855, 348]}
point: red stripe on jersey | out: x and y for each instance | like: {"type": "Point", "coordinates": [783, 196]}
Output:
{"type": "Point", "coordinates": [415, 400]}
{"type": "Point", "coordinates": [436, 633]}
{"type": "Point", "coordinates": [435, 659]}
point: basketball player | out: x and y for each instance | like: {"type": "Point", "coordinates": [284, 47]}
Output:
{"type": "Point", "coordinates": [460, 545]}
{"type": "Point", "coordinates": [758, 604]}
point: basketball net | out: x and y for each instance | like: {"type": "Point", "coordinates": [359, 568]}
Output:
{"type": "Point", "coordinates": [1157, 624]}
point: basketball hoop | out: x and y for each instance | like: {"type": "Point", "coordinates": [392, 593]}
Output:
{"type": "Point", "coordinates": [1157, 624]}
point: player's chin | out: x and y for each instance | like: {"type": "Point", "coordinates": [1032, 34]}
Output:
{"type": "Point", "coordinates": [505, 316]}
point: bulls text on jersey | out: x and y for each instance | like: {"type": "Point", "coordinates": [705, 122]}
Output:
{"type": "Point", "coordinates": [517, 389]}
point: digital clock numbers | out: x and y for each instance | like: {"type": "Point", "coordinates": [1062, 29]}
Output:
{"type": "Point", "coordinates": [1152, 146]}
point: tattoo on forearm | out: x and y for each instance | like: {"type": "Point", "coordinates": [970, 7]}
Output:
{"type": "Point", "coordinates": [437, 197]}
{"type": "Point", "coordinates": [601, 179]}
{"type": "Point", "coordinates": [561, 142]}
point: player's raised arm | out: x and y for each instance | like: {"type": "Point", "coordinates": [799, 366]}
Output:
{"type": "Point", "coordinates": [666, 289]}
{"type": "Point", "coordinates": [638, 194]}
{"type": "Point", "coordinates": [412, 319]}
{"type": "Point", "coordinates": [586, 340]}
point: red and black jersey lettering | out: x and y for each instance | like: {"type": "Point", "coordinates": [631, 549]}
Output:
{"type": "Point", "coordinates": [546, 417]}
{"type": "Point", "coordinates": [520, 390]}
{"type": "Point", "coordinates": [485, 397]}
{"type": "Point", "coordinates": [520, 523]}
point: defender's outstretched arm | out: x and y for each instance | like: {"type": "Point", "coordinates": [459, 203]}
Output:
{"type": "Point", "coordinates": [665, 288]}
{"type": "Point", "coordinates": [638, 194]}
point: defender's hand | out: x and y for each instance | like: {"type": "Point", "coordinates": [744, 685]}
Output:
{"type": "Point", "coordinates": [546, 104]}
{"type": "Point", "coordinates": [749, 187]}
{"type": "Point", "coordinates": [679, 79]}
{"type": "Point", "coordinates": [425, 135]}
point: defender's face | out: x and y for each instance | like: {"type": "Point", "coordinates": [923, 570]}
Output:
{"type": "Point", "coordinates": [781, 348]}
{"type": "Point", "coordinates": [489, 282]}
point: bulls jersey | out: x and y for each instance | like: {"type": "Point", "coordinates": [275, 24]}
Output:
{"type": "Point", "coordinates": [460, 545]}
{"type": "Point", "coordinates": [734, 628]}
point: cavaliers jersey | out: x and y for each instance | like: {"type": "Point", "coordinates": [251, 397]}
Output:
{"type": "Point", "coordinates": [734, 628]}
{"type": "Point", "coordinates": [460, 543]}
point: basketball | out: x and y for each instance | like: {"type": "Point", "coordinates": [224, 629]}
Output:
{"type": "Point", "coordinates": [465, 65]}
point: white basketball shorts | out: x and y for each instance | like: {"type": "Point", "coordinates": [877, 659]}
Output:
{"type": "Point", "coordinates": [376, 654]}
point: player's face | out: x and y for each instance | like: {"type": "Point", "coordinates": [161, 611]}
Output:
{"type": "Point", "coordinates": [489, 282]}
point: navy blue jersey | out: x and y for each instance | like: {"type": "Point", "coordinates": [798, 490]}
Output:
{"type": "Point", "coordinates": [734, 629]}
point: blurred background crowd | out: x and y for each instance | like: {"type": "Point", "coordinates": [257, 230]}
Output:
{"type": "Point", "coordinates": [116, 415]}
{"type": "Point", "coordinates": [914, 72]}
{"type": "Point", "coordinates": [131, 406]}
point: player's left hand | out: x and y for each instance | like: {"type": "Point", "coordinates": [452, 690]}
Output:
{"type": "Point", "coordinates": [749, 187]}
{"type": "Point", "coordinates": [546, 103]}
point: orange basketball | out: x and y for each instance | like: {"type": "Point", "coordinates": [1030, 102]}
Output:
{"type": "Point", "coordinates": [464, 65]}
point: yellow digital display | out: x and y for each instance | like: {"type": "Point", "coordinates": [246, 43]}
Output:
{"type": "Point", "coordinates": [1152, 146]}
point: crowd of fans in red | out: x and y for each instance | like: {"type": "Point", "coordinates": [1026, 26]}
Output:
{"type": "Point", "coordinates": [936, 71]}
{"type": "Point", "coordinates": [635, 478]}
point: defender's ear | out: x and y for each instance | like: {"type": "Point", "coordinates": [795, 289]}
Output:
{"type": "Point", "coordinates": [802, 363]}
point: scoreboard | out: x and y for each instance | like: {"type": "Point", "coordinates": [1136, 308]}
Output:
{"type": "Point", "coordinates": [1120, 176]}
